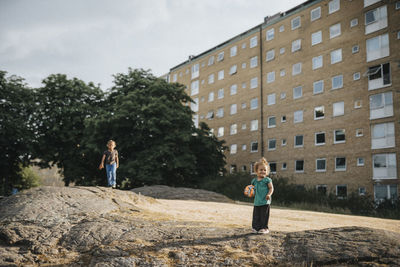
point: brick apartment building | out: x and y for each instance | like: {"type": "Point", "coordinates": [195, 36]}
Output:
{"type": "Point", "coordinates": [315, 90]}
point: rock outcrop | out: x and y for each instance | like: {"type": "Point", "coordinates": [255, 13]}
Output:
{"type": "Point", "coordinates": [95, 226]}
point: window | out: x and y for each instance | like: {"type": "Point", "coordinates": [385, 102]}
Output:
{"type": "Point", "coordinates": [316, 38]}
{"type": "Point", "coordinates": [383, 192]}
{"type": "Point", "coordinates": [320, 165]}
{"type": "Point", "coordinates": [321, 189]}
{"type": "Point", "coordinates": [283, 143]}
{"type": "Point", "coordinates": [244, 65]}
{"type": "Point", "coordinates": [244, 126]}
{"type": "Point", "coordinates": [337, 82]}
{"type": "Point", "coordinates": [319, 113]}
{"type": "Point", "coordinates": [318, 87]}
{"type": "Point", "coordinates": [381, 105]}
{"type": "Point", "coordinates": [282, 50]}
{"type": "Point", "coordinates": [355, 49]}
{"type": "Point", "coordinates": [233, 129]}
{"type": "Point", "coordinates": [334, 6]}
{"type": "Point", "coordinates": [384, 166]}
{"type": "Point", "coordinates": [317, 62]}
{"type": "Point", "coordinates": [283, 118]}
{"type": "Point", "coordinates": [298, 141]}
{"type": "Point", "coordinates": [377, 47]}
{"type": "Point", "coordinates": [221, 93]}
{"type": "Point", "coordinates": [220, 132]}
{"type": "Point", "coordinates": [233, 109]}
{"type": "Point", "coordinates": [284, 166]}
{"type": "Point", "coordinates": [338, 109]}
{"type": "Point", "coordinates": [341, 191]}
{"type": "Point", "coordinates": [254, 146]}
{"type": "Point", "coordinates": [297, 92]}
{"type": "Point", "coordinates": [195, 105]}
{"type": "Point", "coordinates": [211, 78]}
{"type": "Point", "coordinates": [336, 56]}
{"type": "Point", "coordinates": [211, 97]}
{"type": "Point", "coordinates": [299, 165]}
{"type": "Point", "coordinates": [272, 166]}
{"type": "Point", "coordinates": [234, 89]}
{"type": "Point", "coordinates": [220, 112]}
{"type": "Point", "coordinates": [398, 35]}
{"type": "Point", "coordinates": [254, 125]}
{"type": "Point", "coordinates": [370, 2]}
{"type": "Point", "coordinates": [382, 135]}
{"type": "Point", "coordinates": [296, 69]}
{"type": "Point", "coordinates": [220, 56]}
{"type": "Point", "coordinates": [356, 76]}
{"type": "Point", "coordinates": [210, 115]}
{"type": "Point", "coordinates": [359, 132]}
{"type": "Point", "coordinates": [243, 45]}
{"type": "Point", "coordinates": [253, 62]}
{"type": "Point", "coordinates": [270, 55]}
{"type": "Point", "coordinates": [243, 85]}
{"type": "Point", "coordinates": [376, 19]}
{"type": "Point", "coordinates": [254, 103]}
{"type": "Point", "coordinates": [211, 60]}
{"type": "Point", "coordinates": [281, 28]}
{"type": "Point", "coordinates": [233, 149]}
{"type": "Point", "coordinates": [353, 23]}
{"type": "Point", "coordinates": [360, 161]}
{"type": "Point", "coordinates": [253, 83]}
{"type": "Point", "coordinates": [271, 122]}
{"type": "Point", "coordinates": [271, 77]}
{"type": "Point", "coordinates": [244, 105]}
{"type": "Point", "coordinates": [379, 76]}
{"type": "Point", "coordinates": [244, 147]}
{"type": "Point", "coordinates": [271, 99]}
{"type": "Point", "coordinates": [271, 144]}
{"type": "Point", "coordinates": [175, 77]}
{"type": "Point", "coordinates": [340, 164]}
{"type": "Point", "coordinates": [283, 95]}
{"type": "Point", "coordinates": [195, 71]}
{"type": "Point", "coordinates": [298, 116]}
{"type": "Point", "coordinates": [220, 74]}
{"type": "Point", "coordinates": [270, 34]}
{"type": "Point", "coordinates": [357, 104]}
{"type": "Point", "coordinates": [315, 13]}
{"type": "Point", "coordinates": [194, 88]}
{"type": "Point", "coordinates": [253, 42]}
{"type": "Point", "coordinates": [282, 72]}
{"type": "Point", "coordinates": [320, 139]}
{"type": "Point", "coordinates": [233, 69]}
{"type": "Point", "coordinates": [296, 45]}
{"type": "Point", "coordinates": [339, 136]}
{"type": "Point", "coordinates": [334, 31]}
{"type": "Point", "coordinates": [296, 23]}
{"type": "Point", "coordinates": [233, 51]}
{"type": "Point", "coordinates": [397, 5]}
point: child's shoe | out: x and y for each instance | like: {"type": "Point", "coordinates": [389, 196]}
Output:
{"type": "Point", "coordinates": [254, 231]}
{"type": "Point", "coordinates": [263, 231]}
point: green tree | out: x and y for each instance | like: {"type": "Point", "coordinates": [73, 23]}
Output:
{"type": "Point", "coordinates": [151, 122]}
{"type": "Point", "coordinates": [16, 130]}
{"type": "Point", "coordinates": [63, 105]}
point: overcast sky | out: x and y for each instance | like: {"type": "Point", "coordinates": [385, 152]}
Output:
{"type": "Point", "coordinates": [94, 39]}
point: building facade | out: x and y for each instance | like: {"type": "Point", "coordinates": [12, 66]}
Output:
{"type": "Point", "coordinates": [315, 90]}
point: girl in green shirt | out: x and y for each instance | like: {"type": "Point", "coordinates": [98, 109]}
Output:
{"type": "Point", "coordinates": [262, 199]}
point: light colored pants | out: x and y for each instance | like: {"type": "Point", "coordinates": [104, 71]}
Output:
{"type": "Point", "coordinates": [111, 171]}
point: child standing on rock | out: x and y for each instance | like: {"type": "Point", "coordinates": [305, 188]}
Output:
{"type": "Point", "coordinates": [262, 200]}
{"type": "Point", "coordinates": [110, 156]}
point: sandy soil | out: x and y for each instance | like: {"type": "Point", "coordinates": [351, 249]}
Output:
{"type": "Point", "coordinates": [239, 215]}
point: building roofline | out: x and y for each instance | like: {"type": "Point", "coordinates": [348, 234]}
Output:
{"type": "Point", "coordinates": [268, 21]}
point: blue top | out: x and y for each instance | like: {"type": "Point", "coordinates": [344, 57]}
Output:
{"type": "Point", "coordinates": [262, 190]}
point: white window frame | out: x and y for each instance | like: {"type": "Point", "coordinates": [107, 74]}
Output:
{"type": "Point", "coordinates": [296, 45]}
{"type": "Point", "coordinates": [317, 62]}
{"type": "Point", "coordinates": [282, 50]}
{"type": "Point", "coordinates": [233, 51]}
{"type": "Point", "coordinates": [220, 132]}
{"type": "Point", "coordinates": [233, 69]}
{"type": "Point", "coordinates": [271, 99]}
{"type": "Point", "coordinates": [385, 109]}
{"type": "Point", "coordinates": [316, 139]}
{"type": "Point", "coordinates": [253, 125]}
{"type": "Point", "coordinates": [295, 166]}
{"type": "Point", "coordinates": [370, 2]}
{"type": "Point", "coordinates": [316, 38]}
{"type": "Point", "coordinates": [382, 79]}
{"type": "Point", "coordinates": [253, 42]}
{"type": "Point", "coordinates": [298, 116]}
{"type": "Point", "coordinates": [336, 79]}
{"type": "Point", "coordinates": [334, 6]}
{"type": "Point", "coordinates": [337, 190]}
{"type": "Point", "coordinates": [211, 96]}
{"type": "Point", "coordinates": [270, 55]}
{"type": "Point", "coordinates": [316, 165]}
{"type": "Point", "coordinates": [360, 161]}
{"type": "Point", "coordinates": [211, 78]}
{"type": "Point", "coordinates": [296, 69]}
{"type": "Point", "coordinates": [335, 31]}
{"type": "Point", "coordinates": [233, 109]}
{"type": "Point", "coordinates": [220, 112]}
{"type": "Point", "coordinates": [269, 147]}
{"type": "Point", "coordinates": [295, 24]}
{"type": "Point", "coordinates": [390, 170]}
{"type": "Point", "coordinates": [383, 47]}
{"type": "Point", "coordinates": [353, 23]}
{"type": "Point", "coordinates": [336, 53]}
{"type": "Point", "coordinates": [270, 34]}
{"type": "Point", "coordinates": [270, 125]}
{"type": "Point", "coordinates": [233, 89]}
{"type": "Point", "coordinates": [253, 62]}
{"type": "Point", "coordinates": [315, 13]}
{"type": "Point", "coordinates": [338, 109]}
{"type": "Point", "coordinates": [195, 71]}
{"type": "Point", "coordinates": [251, 146]}
{"type": "Point", "coordinates": [271, 77]}
{"type": "Point", "coordinates": [220, 56]}
{"type": "Point", "coordinates": [211, 60]}
{"type": "Point", "coordinates": [220, 93]}
{"type": "Point", "coordinates": [233, 129]}
{"type": "Point", "coordinates": [302, 140]}
{"type": "Point", "coordinates": [254, 103]}
{"type": "Point", "coordinates": [315, 84]}
{"type": "Point", "coordinates": [221, 75]}
{"type": "Point", "coordinates": [380, 17]}
{"type": "Point", "coordinates": [386, 140]}
{"type": "Point", "coordinates": [336, 164]}
{"type": "Point", "coordinates": [335, 136]}
{"type": "Point", "coordinates": [356, 76]}
{"type": "Point", "coordinates": [194, 88]}
{"type": "Point", "coordinates": [298, 92]}
{"type": "Point", "coordinates": [254, 83]}
{"type": "Point", "coordinates": [233, 149]}
{"type": "Point", "coordinates": [355, 49]}
{"type": "Point", "coordinates": [319, 108]}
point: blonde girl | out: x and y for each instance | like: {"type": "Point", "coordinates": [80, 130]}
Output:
{"type": "Point", "coordinates": [110, 156]}
{"type": "Point", "coordinates": [262, 199]}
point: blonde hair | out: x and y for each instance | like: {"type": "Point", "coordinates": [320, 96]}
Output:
{"type": "Point", "coordinates": [111, 142]}
{"type": "Point", "coordinates": [264, 162]}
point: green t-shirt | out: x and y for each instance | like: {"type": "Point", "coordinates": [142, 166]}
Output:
{"type": "Point", "coordinates": [261, 191]}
